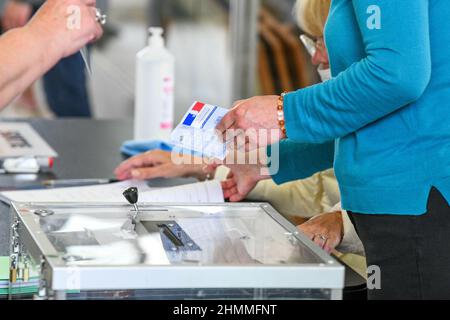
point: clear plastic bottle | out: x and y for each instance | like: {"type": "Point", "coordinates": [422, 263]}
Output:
{"type": "Point", "coordinates": [154, 106]}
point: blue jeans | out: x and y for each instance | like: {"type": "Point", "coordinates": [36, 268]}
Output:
{"type": "Point", "coordinates": [66, 90]}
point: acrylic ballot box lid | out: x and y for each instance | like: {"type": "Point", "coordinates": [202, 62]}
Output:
{"type": "Point", "coordinates": [97, 247]}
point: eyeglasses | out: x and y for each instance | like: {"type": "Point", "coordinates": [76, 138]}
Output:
{"type": "Point", "coordinates": [311, 45]}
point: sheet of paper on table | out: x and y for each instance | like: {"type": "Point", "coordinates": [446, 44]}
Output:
{"type": "Point", "coordinates": [201, 192]}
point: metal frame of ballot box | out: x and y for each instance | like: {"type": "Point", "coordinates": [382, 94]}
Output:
{"type": "Point", "coordinates": [305, 272]}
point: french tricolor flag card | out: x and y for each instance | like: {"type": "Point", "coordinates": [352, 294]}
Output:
{"type": "Point", "coordinates": [197, 133]}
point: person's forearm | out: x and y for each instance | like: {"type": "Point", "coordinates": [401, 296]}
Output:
{"type": "Point", "coordinates": [24, 57]}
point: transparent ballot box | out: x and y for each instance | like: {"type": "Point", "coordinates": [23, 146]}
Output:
{"type": "Point", "coordinates": [176, 251]}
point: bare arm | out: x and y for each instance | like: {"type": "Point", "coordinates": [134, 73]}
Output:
{"type": "Point", "coordinates": [23, 59]}
{"type": "Point", "coordinates": [27, 53]}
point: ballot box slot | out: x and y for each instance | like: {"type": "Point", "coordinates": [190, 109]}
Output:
{"type": "Point", "coordinates": [173, 236]}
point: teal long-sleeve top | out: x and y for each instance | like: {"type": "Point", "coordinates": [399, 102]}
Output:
{"type": "Point", "coordinates": [387, 107]}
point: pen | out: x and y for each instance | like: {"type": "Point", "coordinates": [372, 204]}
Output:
{"type": "Point", "coordinates": [101, 18]}
{"type": "Point", "coordinates": [76, 182]}
{"type": "Point", "coordinates": [85, 56]}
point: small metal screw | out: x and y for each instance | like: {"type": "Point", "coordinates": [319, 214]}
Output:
{"type": "Point", "coordinates": [44, 213]}
{"type": "Point", "coordinates": [69, 258]}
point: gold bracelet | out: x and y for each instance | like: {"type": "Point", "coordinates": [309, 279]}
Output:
{"type": "Point", "coordinates": [280, 113]}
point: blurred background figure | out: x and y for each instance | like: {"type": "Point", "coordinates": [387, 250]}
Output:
{"type": "Point", "coordinates": [199, 34]}
{"type": "Point", "coordinates": [65, 85]}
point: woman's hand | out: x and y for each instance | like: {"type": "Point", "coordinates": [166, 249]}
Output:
{"type": "Point", "coordinates": [241, 181]}
{"type": "Point", "coordinates": [326, 230]}
{"type": "Point", "coordinates": [243, 177]}
{"type": "Point", "coordinates": [16, 14]}
{"type": "Point", "coordinates": [66, 25]}
{"type": "Point", "coordinates": [157, 164]}
{"type": "Point", "coordinates": [258, 113]}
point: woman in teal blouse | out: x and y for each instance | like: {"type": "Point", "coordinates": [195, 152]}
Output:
{"type": "Point", "coordinates": [388, 111]}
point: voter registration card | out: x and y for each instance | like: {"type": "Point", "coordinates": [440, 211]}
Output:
{"type": "Point", "coordinates": [197, 133]}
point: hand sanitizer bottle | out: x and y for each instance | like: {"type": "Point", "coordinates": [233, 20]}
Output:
{"type": "Point", "coordinates": [154, 103]}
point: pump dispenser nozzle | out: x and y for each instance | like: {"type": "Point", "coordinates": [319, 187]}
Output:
{"type": "Point", "coordinates": [156, 37]}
